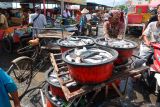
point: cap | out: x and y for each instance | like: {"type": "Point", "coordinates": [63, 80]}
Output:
{"type": "Point", "coordinates": [37, 7]}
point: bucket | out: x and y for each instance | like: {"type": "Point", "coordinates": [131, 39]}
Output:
{"type": "Point", "coordinates": [54, 86]}
{"type": "Point", "coordinates": [77, 39]}
{"type": "Point", "coordinates": [124, 53]}
{"type": "Point", "coordinates": [91, 73]}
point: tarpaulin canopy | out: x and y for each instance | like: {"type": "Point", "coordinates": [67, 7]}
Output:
{"type": "Point", "coordinates": [154, 3]}
{"type": "Point", "coordinates": [75, 1]}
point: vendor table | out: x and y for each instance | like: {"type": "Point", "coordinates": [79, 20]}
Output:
{"type": "Point", "coordinates": [54, 34]}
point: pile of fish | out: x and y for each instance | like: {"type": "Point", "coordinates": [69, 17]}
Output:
{"type": "Point", "coordinates": [56, 100]}
{"type": "Point", "coordinates": [53, 78]}
{"type": "Point", "coordinates": [117, 43]}
{"type": "Point", "coordinates": [91, 55]}
{"type": "Point", "coordinates": [76, 41]}
{"type": "Point", "coordinates": [63, 103]}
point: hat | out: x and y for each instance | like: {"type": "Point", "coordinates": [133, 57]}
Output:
{"type": "Point", "coordinates": [94, 14]}
{"type": "Point", "coordinates": [37, 7]}
{"type": "Point", "coordinates": [85, 11]}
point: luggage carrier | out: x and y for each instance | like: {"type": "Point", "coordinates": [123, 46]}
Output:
{"type": "Point", "coordinates": [60, 67]}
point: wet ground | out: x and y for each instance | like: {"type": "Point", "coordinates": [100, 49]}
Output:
{"type": "Point", "coordinates": [138, 94]}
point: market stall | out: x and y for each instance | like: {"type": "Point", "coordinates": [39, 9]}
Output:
{"type": "Point", "coordinates": [139, 17]}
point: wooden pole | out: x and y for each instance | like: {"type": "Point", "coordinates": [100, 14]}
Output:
{"type": "Point", "coordinates": [62, 6]}
{"type": "Point", "coordinates": [62, 9]}
{"type": "Point", "coordinates": [44, 7]}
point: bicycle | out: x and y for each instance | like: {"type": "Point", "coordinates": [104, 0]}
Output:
{"type": "Point", "coordinates": [24, 69]}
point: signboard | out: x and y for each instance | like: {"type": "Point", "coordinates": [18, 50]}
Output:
{"type": "Point", "coordinates": [139, 2]}
{"type": "Point", "coordinates": [76, 1]}
{"type": "Point", "coordinates": [5, 5]}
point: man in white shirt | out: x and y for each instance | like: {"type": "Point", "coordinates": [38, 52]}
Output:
{"type": "Point", "coordinates": [151, 34]}
{"type": "Point", "coordinates": [37, 19]}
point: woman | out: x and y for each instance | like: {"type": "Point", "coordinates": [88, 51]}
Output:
{"type": "Point", "coordinates": [83, 21]}
{"type": "Point", "coordinates": [114, 26]}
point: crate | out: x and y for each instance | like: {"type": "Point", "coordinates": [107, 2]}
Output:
{"type": "Point", "coordinates": [141, 9]}
{"type": "Point", "coordinates": [135, 18]}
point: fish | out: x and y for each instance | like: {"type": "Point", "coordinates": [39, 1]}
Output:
{"type": "Point", "coordinates": [76, 41]}
{"type": "Point", "coordinates": [69, 58]}
{"type": "Point", "coordinates": [54, 80]}
{"type": "Point", "coordinates": [78, 52]}
{"type": "Point", "coordinates": [59, 103]}
{"type": "Point", "coordinates": [53, 74]}
{"type": "Point", "coordinates": [97, 50]}
{"type": "Point", "coordinates": [108, 55]}
{"type": "Point", "coordinates": [121, 44]}
{"type": "Point", "coordinates": [54, 98]}
{"type": "Point", "coordinates": [77, 60]}
{"type": "Point", "coordinates": [89, 60]}
{"type": "Point", "coordinates": [71, 84]}
{"type": "Point", "coordinates": [96, 57]}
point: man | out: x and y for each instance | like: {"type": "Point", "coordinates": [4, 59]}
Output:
{"type": "Point", "coordinates": [3, 21]}
{"type": "Point", "coordinates": [37, 19]}
{"type": "Point", "coordinates": [154, 18]}
{"type": "Point", "coordinates": [151, 34]}
{"type": "Point", "coordinates": [66, 15]}
{"type": "Point", "coordinates": [7, 85]}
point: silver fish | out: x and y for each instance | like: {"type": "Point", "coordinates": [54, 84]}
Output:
{"type": "Point", "coordinates": [71, 84]}
{"type": "Point", "coordinates": [92, 61]}
{"type": "Point", "coordinates": [54, 98]}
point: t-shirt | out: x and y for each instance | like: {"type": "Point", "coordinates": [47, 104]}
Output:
{"type": "Point", "coordinates": [40, 22]}
{"type": "Point", "coordinates": [152, 32]}
{"type": "Point", "coordinates": [7, 85]}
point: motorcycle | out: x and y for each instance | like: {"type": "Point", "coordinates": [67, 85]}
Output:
{"type": "Point", "coordinates": [152, 76]}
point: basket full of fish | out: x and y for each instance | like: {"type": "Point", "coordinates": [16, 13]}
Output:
{"type": "Point", "coordinates": [74, 41]}
{"type": "Point", "coordinates": [90, 65]}
{"type": "Point", "coordinates": [124, 47]}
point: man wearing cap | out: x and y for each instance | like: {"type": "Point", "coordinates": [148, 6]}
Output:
{"type": "Point", "coordinates": [83, 21]}
{"type": "Point", "coordinates": [37, 19]}
{"type": "Point", "coordinates": [151, 34]}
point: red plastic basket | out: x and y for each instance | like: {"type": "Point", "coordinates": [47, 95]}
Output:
{"type": "Point", "coordinates": [135, 18]}
{"type": "Point", "coordinates": [141, 8]}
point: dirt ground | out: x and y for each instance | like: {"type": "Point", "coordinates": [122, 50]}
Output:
{"type": "Point", "coordinates": [139, 96]}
